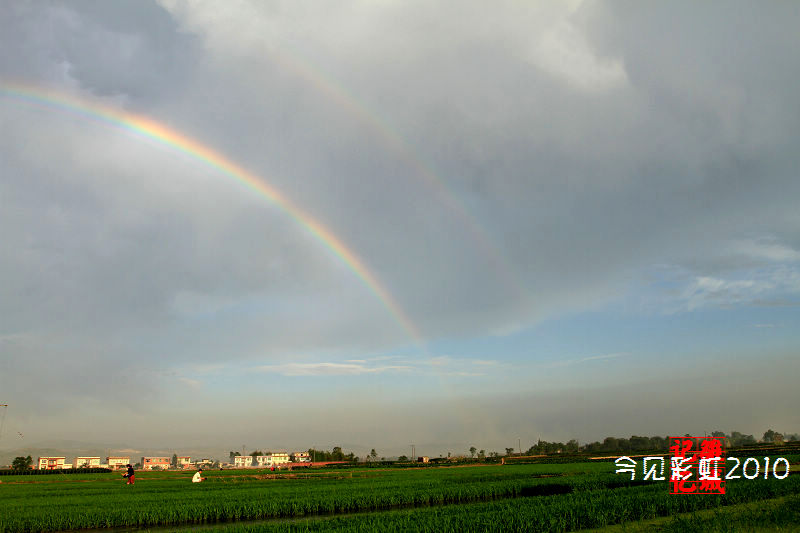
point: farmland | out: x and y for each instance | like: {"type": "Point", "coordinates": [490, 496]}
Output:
{"type": "Point", "coordinates": [534, 497]}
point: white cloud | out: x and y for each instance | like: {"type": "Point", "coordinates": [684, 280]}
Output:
{"type": "Point", "coordinates": [565, 53]}
{"type": "Point", "coordinates": [575, 361]}
{"type": "Point", "coordinates": [329, 369]}
{"type": "Point", "coordinates": [194, 383]}
{"type": "Point", "coordinates": [439, 365]}
{"type": "Point", "coordinates": [763, 287]}
{"type": "Point", "coordinates": [767, 248]}
{"type": "Point", "coordinates": [601, 357]}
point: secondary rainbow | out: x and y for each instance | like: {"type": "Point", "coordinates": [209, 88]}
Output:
{"type": "Point", "coordinates": [345, 99]}
{"type": "Point", "coordinates": [156, 131]}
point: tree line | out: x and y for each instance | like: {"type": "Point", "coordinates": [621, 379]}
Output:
{"type": "Point", "coordinates": [640, 444]}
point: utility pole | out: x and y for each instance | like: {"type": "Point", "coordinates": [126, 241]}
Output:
{"type": "Point", "coordinates": [519, 445]}
{"type": "Point", "coordinates": [413, 453]}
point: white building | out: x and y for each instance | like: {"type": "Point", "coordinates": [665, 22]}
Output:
{"type": "Point", "coordinates": [115, 463]}
{"type": "Point", "coordinates": [272, 459]}
{"type": "Point", "coordinates": [301, 457]}
{"type": "Point", "coordinates": [279, 458]}
{"type": "Point", "coordinates": [50, 463]}
{"type": "Point", "coordinates": [243, 461]}
{"type": "Point", "coordinates": [87, 462]}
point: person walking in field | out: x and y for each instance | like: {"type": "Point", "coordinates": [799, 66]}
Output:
{"type": "Point", "coordinates": [197, 477]}
{"type": "Point", "coordinates": [129, 475]}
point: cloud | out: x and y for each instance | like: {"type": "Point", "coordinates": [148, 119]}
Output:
{"type": "Point", "coordinates": [770, 287]}
{"type": "Point", "coordinates": [496, 168]}
{"type": "Point", "coordinates": [329, 369]}
{"type": "Point", "coordinates": [439, 365]}
{"type": "Point", "coordinates": [565, 53]}
{"type": "Point", "coordinates": [769, 249]}
{"type": "Point", "coordinates": [576, 361]}
{"type": "Point", "coordinates": [194, 383]}
{"type": "Point", "coordinates": [602, 357]}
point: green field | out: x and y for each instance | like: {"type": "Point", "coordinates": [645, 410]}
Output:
{"type": "Point", "coordinates": [529, 497]}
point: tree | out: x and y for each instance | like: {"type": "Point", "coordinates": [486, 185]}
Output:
{"type": "Point", "coordinates": [373, 454]}
{"type": "Point", "coordinates": [639, 443]}
{"type": "Point", "coordinates": [472, 450]}
{"type": "Point", "coordinates": [509, 451]}
{"type": "Point", "coordinates": [22, 463]}
{"type": "Point", "coordinates": [254, 455]}
{"type": "Point", "coordinates": [174, 460]}
{"type": "Point", "coordinates": [769, 436]}
{"type": "Point", "coordinates": [232, 455]}
{"type": "Point", "coordinates": [611, 444]}
{"type": "Point", "coordinates": [402, 459]}
{"type": "Point", "coordinates": [482, 454]}
{"type": "Point", "coordinates": [739, 439]}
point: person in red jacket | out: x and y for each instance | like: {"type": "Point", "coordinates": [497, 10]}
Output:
{"type": "Point", "coordinates": [129, 475]}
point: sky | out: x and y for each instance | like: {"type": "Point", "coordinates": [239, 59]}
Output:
{"type": "Point", "coordinates": [375, 224]}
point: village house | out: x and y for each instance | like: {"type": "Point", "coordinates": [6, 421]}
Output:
{"type": "Point", "coordinates": [243, 461]}
{"type": "Point", "coordinates": [184, 462]}
{"type": "Point", "coordinates": [87, 462]}
{"type": "Point", "coordinates": [277, 459]}
{"type": "Point", "coordinates": [156, 463]}
{"type": "Point", "coordinates": [301, 457]}
{"type": "Point", "coordinates": [115, 463]}
{"type": "Point", "coordinates": [51, 463]}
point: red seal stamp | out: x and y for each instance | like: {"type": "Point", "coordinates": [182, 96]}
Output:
{"type": "Point", "coordinates": [697, 465]}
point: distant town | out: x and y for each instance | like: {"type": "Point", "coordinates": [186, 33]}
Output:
{"type": "Point", "coordinates": [312, 457]}
{"type": "Point", "coordinates": [176, 462]}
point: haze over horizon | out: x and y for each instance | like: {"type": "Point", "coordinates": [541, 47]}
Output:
{"type": "Point", "coordinates": [385, 223]}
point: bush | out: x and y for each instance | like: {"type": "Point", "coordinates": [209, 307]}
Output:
{"type": "Point", "coordinates": [11, 472]}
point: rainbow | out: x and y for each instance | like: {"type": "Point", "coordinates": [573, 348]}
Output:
{"type": "Point", "coordinates": [152, 130]}
{"type": "Point", "coordinates": [314, 75]}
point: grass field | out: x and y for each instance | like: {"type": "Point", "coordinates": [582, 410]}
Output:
{"type": "Point", "coordinates": [530, 497]}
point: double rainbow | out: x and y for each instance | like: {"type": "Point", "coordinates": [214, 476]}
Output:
{"type": "Point", "coordinates": [151, 129]}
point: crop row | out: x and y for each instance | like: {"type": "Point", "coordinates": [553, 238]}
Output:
{"type": "Point", "coordinates": [558, 513]}
{"type": "Point", "coordinates": [107, 503]}
{"type": "Point", "coordinates": [103, 501]}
